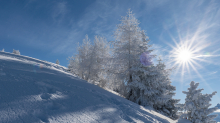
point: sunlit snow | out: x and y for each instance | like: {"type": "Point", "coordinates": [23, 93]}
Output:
{"type": "Point", "coordinates": [36, 91]}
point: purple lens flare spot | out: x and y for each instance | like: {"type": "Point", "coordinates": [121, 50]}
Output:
{"type": "Point", "coordinates": [146, 58]}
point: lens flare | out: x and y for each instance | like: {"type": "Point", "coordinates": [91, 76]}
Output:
{"type": "Point", "coordinates": [146, 58]}
{"type": "Point", "coordinates": [37, 67]}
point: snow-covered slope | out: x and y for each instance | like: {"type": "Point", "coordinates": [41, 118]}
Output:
{"type": "Point", "coordinates": [35, 91]}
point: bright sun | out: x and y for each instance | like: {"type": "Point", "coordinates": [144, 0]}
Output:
{"type": "Point", "coordinates": [184, 55]}
{"type": "Point", "coordinates": [188, 51]}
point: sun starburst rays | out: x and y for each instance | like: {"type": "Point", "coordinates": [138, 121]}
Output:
{"type": "Point", "coordinates": [185, 56]}
{"type": "Point", "coordinates": [188, 54]}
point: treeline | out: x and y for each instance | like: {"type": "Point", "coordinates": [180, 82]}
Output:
{"type": "Point", "coordinates": [125, 66]}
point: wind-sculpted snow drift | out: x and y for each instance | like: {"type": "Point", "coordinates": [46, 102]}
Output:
{"type": "Point", "coordinates": [35, 91]}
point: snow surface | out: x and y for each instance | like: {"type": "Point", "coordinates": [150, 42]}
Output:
{"type": "Point", "coordinates": [36, 91]}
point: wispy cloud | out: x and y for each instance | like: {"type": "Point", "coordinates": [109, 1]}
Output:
{"type": "Point", "coordinates": [98, 19]}
{"type": "Point", "coordinates": [59, 11]}
{"type": "Point", "coordinates": [68, 45]}
{"type": "Point", "coordinates": [196, 25]}
{"type": "Point", "coordinates": [214, 72]}
{"type": "Point", "coordinates": [28, 2]}
{"type": "Point", "coordinates": [101, 18]}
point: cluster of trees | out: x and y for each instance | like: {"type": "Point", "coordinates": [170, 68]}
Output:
{"type": "Point", "coordinates": [91, 62]}
{"type": "Point", "coordinates": [14, 51]}
{"type": "Point", "coordinates": [117, 65]}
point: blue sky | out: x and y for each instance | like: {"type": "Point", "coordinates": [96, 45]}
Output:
{"type": "Point", "coordinates": [50, 30]}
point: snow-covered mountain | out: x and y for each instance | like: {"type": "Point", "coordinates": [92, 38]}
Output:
{"type": "Point", "coordinates": [218, 106]}
{"type": "Point", "coordinates": [218, 113]}
{"type": "Point", "coordinates": [218, 117]}
{"type": "Point", "coordinates": [36, 91]}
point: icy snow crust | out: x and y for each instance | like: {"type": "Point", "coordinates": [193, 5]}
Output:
{"type": "Point", "coordinates": [36, 91]}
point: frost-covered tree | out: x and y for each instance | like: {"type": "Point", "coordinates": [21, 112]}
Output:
{"type": "Point", "coordinates": [16, 52]}
{"type": "Point", "coordinates": [74, 66]}
{"type": "Point", "coordinates": [100, 53]}
{"type": "Point", "coordinates": [79, 63]}
{"type": "Point", "coordinates": [197, 105]}
{"type": "Point", "coordinates": [90, 62]}
{"type": "Point", "coordinates": [57, 61]}
{"type": "Point", "coordinates": [130, 42]}
{"type": "Point", "coordinates": [151, 86]}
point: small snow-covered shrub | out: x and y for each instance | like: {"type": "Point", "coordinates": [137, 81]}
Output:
{"type": "Point", "coordinates": [16, 52]}
{"type": "Point", "coordinates": [57, 62]}
{"type": "Point", "coordinates": [197, 105]}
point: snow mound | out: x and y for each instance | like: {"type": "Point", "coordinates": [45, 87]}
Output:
{"type": "Point", "coordinates": [36, 91]}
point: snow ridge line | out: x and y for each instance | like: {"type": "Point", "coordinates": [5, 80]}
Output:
{"type": "Point", "coordinates": [26, 58]}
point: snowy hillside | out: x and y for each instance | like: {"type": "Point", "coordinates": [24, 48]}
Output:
{"type": "Point", "coordinates": [35, 91]}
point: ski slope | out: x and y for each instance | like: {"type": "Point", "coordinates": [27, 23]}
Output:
{"type": "Point", "coordinates": [35, 91]}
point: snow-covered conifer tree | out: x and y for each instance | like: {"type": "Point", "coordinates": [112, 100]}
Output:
{"type": "Point", "coordinates": [151, 86]}
{"type": "Point", "coordinates": [80, 62]}
{"type": "Point", "coordinates": [197, 105]}
{"type": "Point", "coordinates": [130, 42]}
{"type": "Point", "coordinates": [57, 61]}
{"type": "Point", "coordinates": [100, 54]}
{"type": "Point", "coordinates": [74, 66]}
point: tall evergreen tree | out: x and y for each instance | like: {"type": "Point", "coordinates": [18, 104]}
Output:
{"type": "Point", "coordinates": [79, 64]}
{"type": "Point", "coordinates": [130, 42]}
{"type": "Point", "coordinates": [99, 60]}
{"type": "Point", "coordinates": [90, 62]}
{"type": "Point", "coordinates": [151, 86]}
{"type": "Point", "coordinates": [197, 105]}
